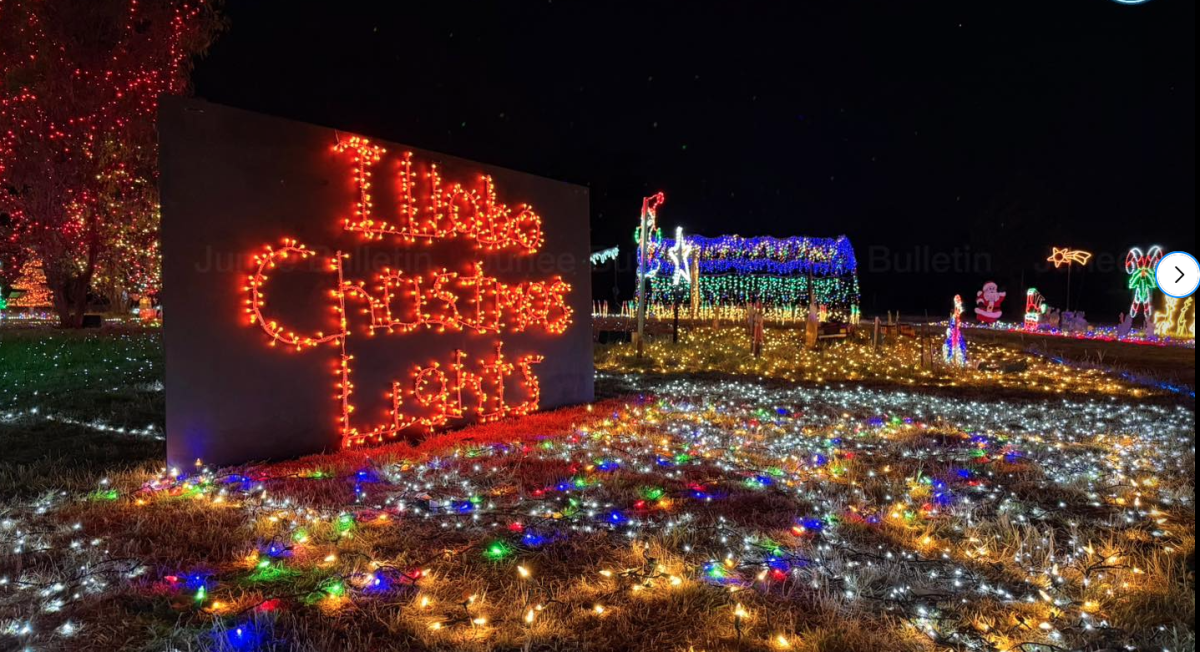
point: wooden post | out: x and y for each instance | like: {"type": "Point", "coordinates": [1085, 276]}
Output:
{"type": "Point", "coordinates": [812, 325]}
{"type": "Point", "coordinates": [675, 325]}
{"type": "Point", "coordinates": [696, 286]}
{"type": "Point", "coordinates": [641, 279]}
{"type": "Point", "coordinates": [756, 326]}
{"type": "Point", "coordinates": [1068, 285]}
{"type": "Point", "coordinates": [875, 336]}
{"type": "Point", "coordinates": [643, 263]}
{"type": "Point", "coordinates": [921, 345]}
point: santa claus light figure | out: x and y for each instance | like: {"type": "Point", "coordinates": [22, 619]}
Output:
{"type": "Point", "coordinates": [987, 303]}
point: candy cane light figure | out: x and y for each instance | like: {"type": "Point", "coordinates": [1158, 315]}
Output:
{"type": "Point", "coordinates": [1035, 307]}
{"type": "Point", "coordinates": [647, 226]}
{"type": "Point", "coordinates": [1140, 268]}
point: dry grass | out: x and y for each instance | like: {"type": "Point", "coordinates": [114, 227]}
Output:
{"type": "Point", "coordinates": [999, 370]}
{"type": "Point", "coordinates": [1174, 364]}
{"type": "Point", "coordinates": [700, 515]}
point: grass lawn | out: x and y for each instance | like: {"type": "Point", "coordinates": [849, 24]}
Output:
{"type": "Point", "coordinates": [83, 386]}
{"type": "Point", "coordinates": [999, 367]}
{"type": "Point", "coordinates": [1169, 364]}
{"type": "Point", "coordinates": [839, 500]}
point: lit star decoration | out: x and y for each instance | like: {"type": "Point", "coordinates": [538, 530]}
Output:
{"type": "Point", "coordinates": [395, 302]}
{"type": "Point", "coordinates": [680, 253]}
{"type": "Point", "coordinates": [1067, 256]}
{"type": "Point", "coordinates": [1140, 268]}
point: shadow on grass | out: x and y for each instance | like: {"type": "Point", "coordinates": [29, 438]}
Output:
{"type": "Point", "coordinates": [46, 456]}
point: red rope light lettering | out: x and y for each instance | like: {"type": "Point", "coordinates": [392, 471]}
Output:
{"type": "Point", "coordinates": [398, 302]}
{"type": "Point", "coordinates": [443, 212]}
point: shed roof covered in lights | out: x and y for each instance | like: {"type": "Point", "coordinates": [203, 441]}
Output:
{"type": "Point", "coordinates": [782, 272]}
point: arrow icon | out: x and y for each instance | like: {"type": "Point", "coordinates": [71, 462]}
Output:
{"type": "Point", "coordinates": [1183, 281]}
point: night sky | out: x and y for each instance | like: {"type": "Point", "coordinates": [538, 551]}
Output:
{"type": "Point", "coordinates": [1005, 127]}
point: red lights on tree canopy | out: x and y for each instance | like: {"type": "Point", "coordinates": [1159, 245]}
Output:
{"type": "Point", "coordinates": [78, 145]}
{"type": "Point", "coordinates": [397, 302]}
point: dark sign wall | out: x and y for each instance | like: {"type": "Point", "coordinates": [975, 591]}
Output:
{"type": "Point", "coordinates": [324, 290]}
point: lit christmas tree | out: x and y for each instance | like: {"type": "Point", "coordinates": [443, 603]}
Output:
{"type": "Point", "coordinates": [78, 149]}
{"type": "Point", "coordinates": [31, 285]}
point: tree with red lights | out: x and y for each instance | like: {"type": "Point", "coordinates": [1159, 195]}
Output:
{"type": "Point", "coordinates": [79, 88]}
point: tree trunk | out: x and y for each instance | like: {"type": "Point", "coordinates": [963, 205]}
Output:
{"type": "Point", "coordinates": [70, 299]}
{"type": "Point", "coordinates": [70, 289]}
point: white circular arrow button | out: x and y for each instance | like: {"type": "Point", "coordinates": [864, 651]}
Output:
{"type": "Point", "coordinates": [1177, 274]}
